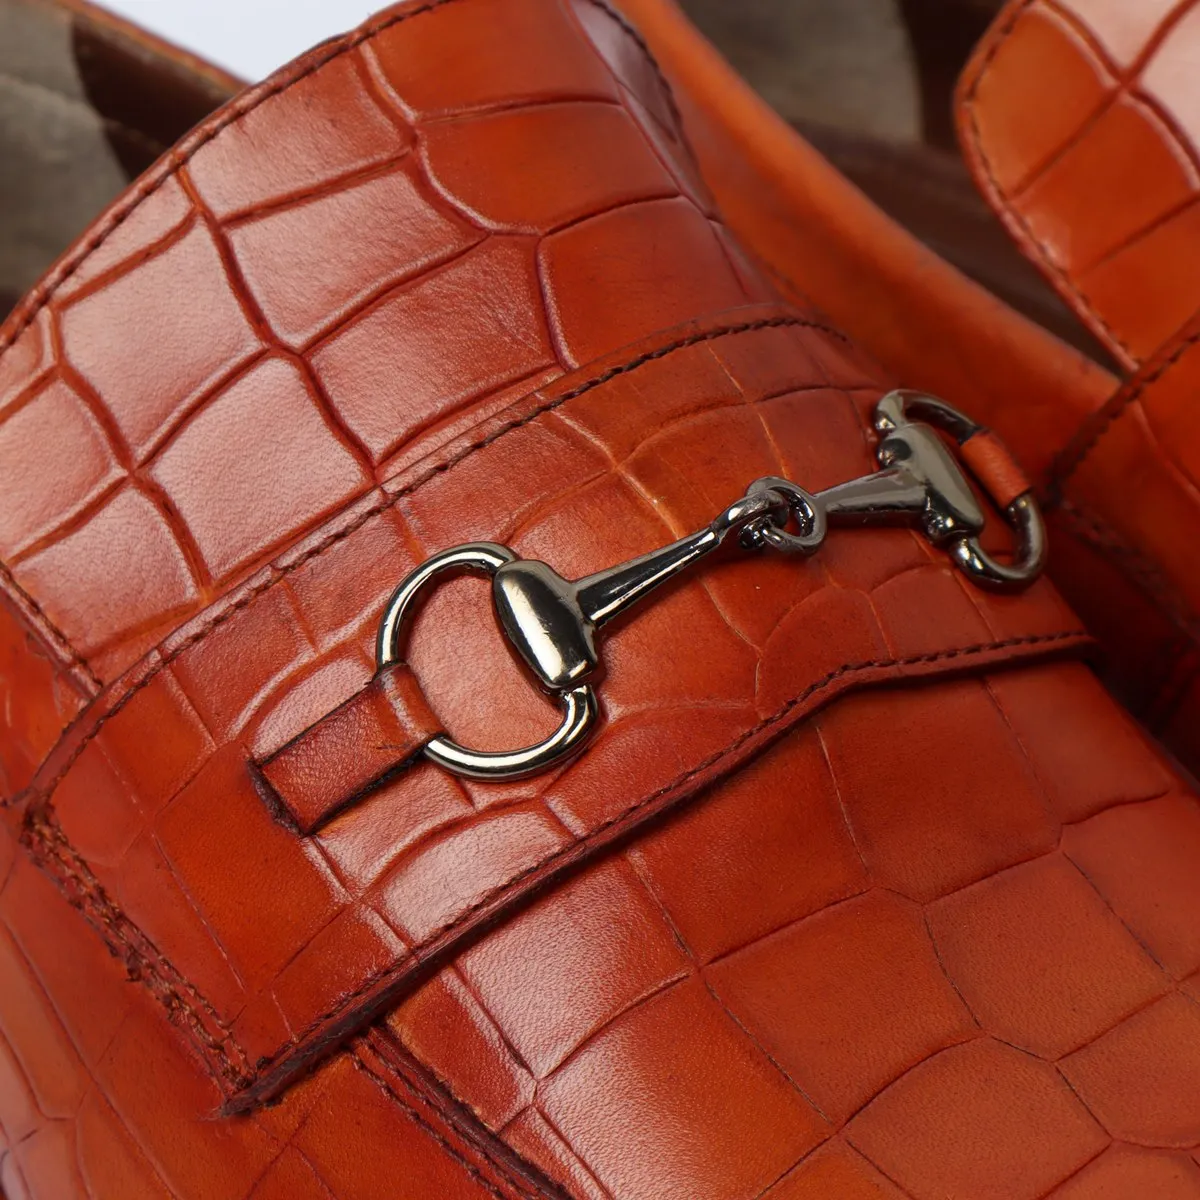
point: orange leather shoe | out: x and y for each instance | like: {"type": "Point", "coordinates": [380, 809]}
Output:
{"type": "Point", "coordinates": [847, 879]}
{"type": "Point", "coordinates": [1078, 122]}
{"type": "Point", "coordinates": [1095, 172]}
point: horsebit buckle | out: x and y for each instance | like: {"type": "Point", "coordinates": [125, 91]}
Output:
{"type": "Point", "coordinates": [552, 622]}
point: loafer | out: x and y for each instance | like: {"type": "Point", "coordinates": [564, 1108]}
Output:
{"type": "Point", "coordinates": [505, 697]}
{"type": "Point", "coordinates": [1100, 207]}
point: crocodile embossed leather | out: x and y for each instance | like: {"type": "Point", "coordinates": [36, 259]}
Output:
{"type": "Point", "coordinates": [552, 623]}
{"type": "Point", "coordinates": [1120, 83]}
{"type": "Point", "coordinates": [863, 888]}
{"type": "Point", "coordinates": [1105, 190]}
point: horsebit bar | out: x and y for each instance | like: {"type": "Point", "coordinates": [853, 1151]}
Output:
{"type": "Point", "coordinates": [552, 622]}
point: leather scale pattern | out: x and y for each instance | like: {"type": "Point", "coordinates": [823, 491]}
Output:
{"type": "Point", "coordinates": [1065, 102]}
{"type": "Point", "coordinates": [451, 854]}
{"type": "Point", "coordinates": [841, 997]}
{"type": "Point", "coordinates": [1114, 100]}
{"type": "Point", "coordinates": [302, 266]}
{"type": "Point", "coordinates": [636, 1030]}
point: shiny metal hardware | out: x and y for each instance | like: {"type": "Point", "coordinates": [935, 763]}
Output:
{"type": "Point", "coordinates": [580, 708]}
{"type": "Point", "coordinates": [922, 483]}
{"type": "Point", "coordinates": [553, 622]}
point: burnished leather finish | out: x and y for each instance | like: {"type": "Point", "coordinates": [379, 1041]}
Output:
{"type": "Point", "coordinates": [448, 856]}
{"type": "Point", "coordinates": [863, 888]}
{"type": "Point", "coordinates": [339, 758]}
{"type": "Point", "coordinates": [823, 242]}
{"type": "Point", "coordinates": [1079, 122]}
{"type": "Point", "coordinates": [1123, 550]}
{"type": "Point", "coordinates": [1112, 104]}
{"type": "Point", "coordinates": [990, 460]}
{"type": "Point", "coordinates": [835, 984]}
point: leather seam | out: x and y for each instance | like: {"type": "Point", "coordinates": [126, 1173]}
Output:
{"type": "Point", "coordinates": [281, 573]}
{"type": "Point", "coordinates": [232, 116]}
{"type": "Point", "coordinates": [60, 644]}
{"type": "Point", "coordinates": [427, 1087]}
{"type": "Point", "coordinates": [44, 293]}
{"type": "Point", "coordinates": [238, 110]}
{"type": "Point", "coordinates": [432, 1086]}
{"type": "Point", "coordinates": [1139, 566]}
{"type": "Point", "coordinates": [1147, 577]}
{"type": "Point", "coordinates": [635, 35]}
{"type": "Point", "coordinates": [1096, 426]}
{"type": "Point", "coordinates": [103, 913]}
{"type": "Point", "coordinates": [711, 761]}
{"type": "Point", "coordinates": [43, 828]}
{"type": "Point", "coordinates": [175, 992]}
{"type": "Point", "coordinates": [471, 1168]}
{"type": "Point", "coordinates": [1010, 213]}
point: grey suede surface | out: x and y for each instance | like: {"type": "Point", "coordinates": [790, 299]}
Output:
{"type": "Point", "coordinates": [840, 64]}
{"type": "Point", "coordinates": [57, 170]}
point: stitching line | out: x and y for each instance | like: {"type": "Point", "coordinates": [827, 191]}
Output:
{"type": "Point", "coordinates": [387, 502]}
{"type": "Point", "coordinates": [109, 919]}
{"type": "Point", "coordinates": [1143, 572]}
{"type": "Point", "coordinates": [1140, 567]}
{"type": "Point", "coordinates": [432, 1087]}
{"type": "Point", "coordinates": [60, 643]}
{"type": "Point", "coordinates": [727, 751]}
{"type": "Point", "coordinates": [386, 1049]}
{"type": "Point", "coordinates": [1084, 441]}
{"type": "Point", "coordinates": [636, 36]}
{"type": "Point", "coordinates": [144, 963]}
{"type": "Point", "coordinates": [1009, 211]}
{"type": "Point", "coordinates": [237, 110]}
{"type": "Point", "coordinates": [385, 1084]}
{"type": "Point", "coordinates": [39, 300]}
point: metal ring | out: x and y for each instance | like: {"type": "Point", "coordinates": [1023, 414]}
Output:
{"type": "Point", "coordinates": [580, 706]}
{"type": "Point", "coordinates": [809, 514]}
{"type": "Point", "coordinates": [1023, 514]}
{"type": "Point", "coordinates": [480, 558]}
{"type": "Point", "coordinates": [580, 711]}
{"type": "Point", "coordinates": [1025, 517]}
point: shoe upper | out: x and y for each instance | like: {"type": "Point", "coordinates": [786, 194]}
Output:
{"type": "Point", "coordinates": [865, 886]}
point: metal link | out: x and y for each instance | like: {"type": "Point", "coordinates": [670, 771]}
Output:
{"type": "Point", "coordinates": [553, 622]}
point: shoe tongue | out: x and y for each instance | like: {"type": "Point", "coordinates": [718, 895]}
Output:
{"type": "Point", "coordinates": [374, 250]}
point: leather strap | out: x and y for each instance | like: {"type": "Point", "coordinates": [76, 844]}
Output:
{"type": "Point", "coordinates": [428, 860]}
{"type": "Point", "coordinates": [994, 467]}
{"type": "Point", "coordinates": [290, 943]}
{"type": "Point", "coordinates": [339, 758]}
{"type": "Point", "coordinates": [1127, 486]}
{"type": "Point", "coordinates": [1079, 121]}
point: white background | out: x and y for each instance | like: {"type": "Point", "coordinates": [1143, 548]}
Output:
{"type": "Point", "coordinates": [248, 37]}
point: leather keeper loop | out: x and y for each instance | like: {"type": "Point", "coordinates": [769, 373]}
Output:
{"type": "Point", "coordinates": [348, 752]}
{"type": "Point", "coordinates": [991, 463]}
